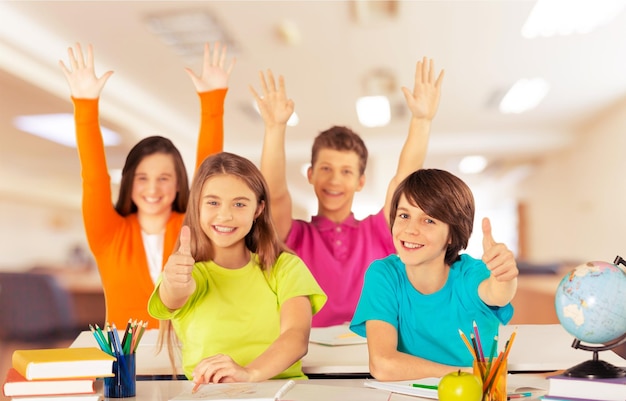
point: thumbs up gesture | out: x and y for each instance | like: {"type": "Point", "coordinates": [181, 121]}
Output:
{"type": "Point", "coordinates": [498, 258]}
{"type": "Point", "coordinates": [178, 283]}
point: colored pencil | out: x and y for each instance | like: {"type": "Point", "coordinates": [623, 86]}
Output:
{"type": "Point", "coordinates": [126, 332]}
{"type": "Point", "coordinates": [467, 344]}
{"type": "Point", "coordinates": [142, 329]}
{"type": "Point", "coordinates": [481, 355]}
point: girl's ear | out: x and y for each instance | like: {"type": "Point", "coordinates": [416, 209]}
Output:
{"type": "Point", "coordinates": [259, 209]}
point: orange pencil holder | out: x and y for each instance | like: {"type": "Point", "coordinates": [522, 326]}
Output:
{"type": "Point", "coordinates": [492, 373]}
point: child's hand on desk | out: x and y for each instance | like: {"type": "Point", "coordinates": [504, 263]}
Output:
{"type": "Point", "coordinates": [177, 272]}
{"type": "Point", "coordinates": [219, 368]}
{"type": "Point", "coordinates": [498, 258]}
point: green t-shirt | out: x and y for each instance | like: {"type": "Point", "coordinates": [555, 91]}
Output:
{"type": "Point", "coordinates": [237, 311]}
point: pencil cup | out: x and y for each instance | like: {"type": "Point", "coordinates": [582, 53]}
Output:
{"type": "Point", "coordinates": [124, 383]}
{"type": "Point", "coordinates": [493, 377]}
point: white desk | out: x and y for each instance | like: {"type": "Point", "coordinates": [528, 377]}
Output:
{"type": "Point", "coordinates": [305, 390]}
{"type": "Point", "coordinates": [536, 348]}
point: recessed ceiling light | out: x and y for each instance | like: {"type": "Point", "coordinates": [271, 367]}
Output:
{"type": "Point", "coordinates": [59, 128]}
{"type": "Point", "coordinates": [524, 95]}
{"type": "Point", "coordinates": [472, 164]}
{"type": "Point", "coordinates": [567, 17]}
{"type": "Point", "coordinates": [373, 111]}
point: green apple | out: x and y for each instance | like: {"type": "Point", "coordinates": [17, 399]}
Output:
{"type": "Point", "coordinates": [460, 386]}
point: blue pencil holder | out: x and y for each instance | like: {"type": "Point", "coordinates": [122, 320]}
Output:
{"type": "Point", "coordinates": [124, 382]}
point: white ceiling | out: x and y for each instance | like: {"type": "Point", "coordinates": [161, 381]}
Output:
{"type": "Point", "coordinates": [477, 42]}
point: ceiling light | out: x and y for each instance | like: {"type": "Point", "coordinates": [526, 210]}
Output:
{"type": "Point", "coordinates": [293, 119]}
{"type": "Point", "coordinates": [566, 17]}
{"type": "Point", "coordinates": [59, 128]}
{"type": "Point", "coordinates": [524, 95]}
{"type": "Point", "coordinates": [373, 111]}
{"type": "Point", "coordinates": [472, 164]}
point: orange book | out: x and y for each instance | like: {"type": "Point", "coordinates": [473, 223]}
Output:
{"type": "Point", "coordinates": [16, 385]}
{"type": "Point", "coordinates": [63, 363]}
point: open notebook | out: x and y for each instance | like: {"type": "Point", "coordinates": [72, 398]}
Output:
{"type": "Point", "coordinates": [335, 335]}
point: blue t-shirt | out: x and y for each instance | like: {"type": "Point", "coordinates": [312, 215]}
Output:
{"type": "Point", "coordinates": [428, 325]}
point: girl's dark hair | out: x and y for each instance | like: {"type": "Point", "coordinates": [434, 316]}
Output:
{"type": "Point", "coordinates": [442, 196]}
{"type": "Point", "coordinates": [146, 147]}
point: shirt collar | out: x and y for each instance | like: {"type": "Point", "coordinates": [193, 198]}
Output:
{"type": "Point", "coordinates": [323, 223]}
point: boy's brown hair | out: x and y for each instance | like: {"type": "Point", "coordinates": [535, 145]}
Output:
{"type": "Point", "coordinates": [442, 196]}
{"type": "Point", "coordinates": [342, 139]}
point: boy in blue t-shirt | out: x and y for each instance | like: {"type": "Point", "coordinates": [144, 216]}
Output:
{"type": "Point", "coordinates": [413, 303]}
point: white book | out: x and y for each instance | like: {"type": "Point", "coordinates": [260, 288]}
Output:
{"type": "Point", "coordinates": [592, 389]}
{"type": "Point", "coordinates": [271, 390]}
{"type": "Point", "coordinates": [426, 388]}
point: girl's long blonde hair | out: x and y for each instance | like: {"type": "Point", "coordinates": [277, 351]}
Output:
{"type": "Point", "coordinates": [262, 238]}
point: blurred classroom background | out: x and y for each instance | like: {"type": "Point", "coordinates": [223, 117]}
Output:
{"type": "Point", "coordinates": [553, 183]}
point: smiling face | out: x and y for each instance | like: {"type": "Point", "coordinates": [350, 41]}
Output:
{"type": "Point", "coordinates": [418, 238]}
{"type": "Point", "coordinates": [228, 208]}
{"type": "Point", "coordinates": [335, 178]}
{"type": "Point", "coordinates": [154, 184]}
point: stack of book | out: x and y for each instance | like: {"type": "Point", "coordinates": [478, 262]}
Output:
{"type": "Point", "coordinates": [567, 388]}
{"type": "Point", "coordinates": [56, 374]}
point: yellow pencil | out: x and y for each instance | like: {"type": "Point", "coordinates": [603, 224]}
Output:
{"type": "Point", "coordinates": [467, 344]}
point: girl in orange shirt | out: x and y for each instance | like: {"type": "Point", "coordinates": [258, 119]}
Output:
{"type": "Point", "coordinates": [129, 239]}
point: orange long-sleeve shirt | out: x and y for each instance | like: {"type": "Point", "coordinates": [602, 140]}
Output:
{"type": "Point", "coordinates": [116, 241]}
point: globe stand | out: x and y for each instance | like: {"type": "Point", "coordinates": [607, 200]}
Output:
{"type": "Point", "coordinates": [595, 368]}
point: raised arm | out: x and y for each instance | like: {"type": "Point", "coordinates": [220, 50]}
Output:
{"type": "Point", "coordinates": [211, 85]}
{"type": "Point", "coordinates": [275, 109]}
{"type": "Point", "coordinates": [501, 286]}
{"type": "Point", "coordinates": [423, 102]}
{"type": "Point", "coordinates": [99, 215]}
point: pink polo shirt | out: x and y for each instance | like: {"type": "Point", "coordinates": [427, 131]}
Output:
{"type": "Point", "coordinates": [338, 256]}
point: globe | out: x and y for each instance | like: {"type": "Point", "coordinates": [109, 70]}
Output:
{"type": "Point", "coordinates": [591, 302]}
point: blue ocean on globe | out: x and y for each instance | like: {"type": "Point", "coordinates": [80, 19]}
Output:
{"type": "Point", "coordinates": [591, 302]}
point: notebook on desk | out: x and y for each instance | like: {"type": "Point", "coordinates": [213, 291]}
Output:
{"type": "Point", "coordinates": [547, 347]}
{"type": "Point", "coordinates": [335, 335]}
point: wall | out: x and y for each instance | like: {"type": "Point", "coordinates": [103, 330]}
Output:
{"type": "Point", "coordinates": [37, 235]}
{"type": "Point", "coordinates": [575, 200]}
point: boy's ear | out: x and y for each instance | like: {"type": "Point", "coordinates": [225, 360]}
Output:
{"type": "Point", "coordinates": [361, 182]}
{"type": "Point", "coordinates": [309, 173]}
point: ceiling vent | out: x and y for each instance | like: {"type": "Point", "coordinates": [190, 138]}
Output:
{"type": "Point", "coordinates": [187, 32]}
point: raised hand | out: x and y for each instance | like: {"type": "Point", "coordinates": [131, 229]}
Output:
{"type": "Point", "coordinates": [274, 106]}
{"type": "Point", "coordinates": [498, 258]}
{"type": "Point", "coordinates": [177, 276]}
{"type": "Point", "coordinates": [219, 368]}
{"type": "Point", "coordinates": [213, 75]}
{"type": "Point", "coordinates": [81, 75]}
{"type": "Point", "coordinates": [424, 100]}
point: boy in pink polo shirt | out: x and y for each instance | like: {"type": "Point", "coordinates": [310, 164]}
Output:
{"type": "Point", "coordinates": [335, 246]}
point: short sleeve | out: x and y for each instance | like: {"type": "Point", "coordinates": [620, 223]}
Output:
{"type": "Point", "coordinates": [377, 301]}
{"type": "Point", "coordinates": [291, 278]}
{"type": "Point", "coordinates": [156, 308]}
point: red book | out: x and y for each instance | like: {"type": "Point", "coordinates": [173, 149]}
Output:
{"type": "Point", "coordinates": [16, 385]}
